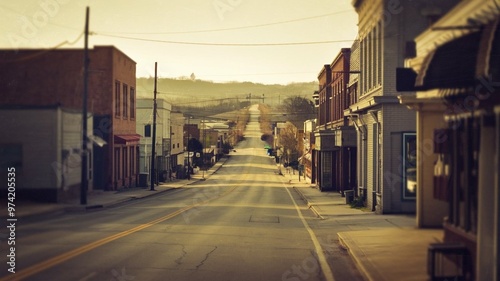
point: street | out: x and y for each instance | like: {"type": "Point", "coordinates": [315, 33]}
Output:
{"type": "Point", "coordinates": [242, 223]}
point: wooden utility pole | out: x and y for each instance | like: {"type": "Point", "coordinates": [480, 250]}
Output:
{"type": "Point", "coordinates": [84, 179]}
{"type": "Point", "coordinates": [153, 141]}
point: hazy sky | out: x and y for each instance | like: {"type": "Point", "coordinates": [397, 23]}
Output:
{"type": "Point", "coordinates": [229, 40]}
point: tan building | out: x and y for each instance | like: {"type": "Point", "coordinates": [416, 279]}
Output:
{"type": "Point", "coordinates": [455, 70]}
{"type": "Point", "coordinates": [386, 152]}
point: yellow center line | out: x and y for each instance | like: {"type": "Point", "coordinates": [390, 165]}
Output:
{"type": "Point", "coordinates": [42, 266]}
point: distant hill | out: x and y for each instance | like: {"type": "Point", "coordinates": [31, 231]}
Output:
{"type": "Point", "coordinates": [199, 92]}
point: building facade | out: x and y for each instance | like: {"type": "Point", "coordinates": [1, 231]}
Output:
{"type": "Point", "coordinates": [335, 137]}
{"type": "Point", "coordinates": [456, 72]}
{"type": "Point", "coordinates": [386, 153]}
{"type": "Point", "coordinates": [144, 127]}
{"type": "Point", "coordinates": [43, 145]}
{"type": "Point", "coordinates": [55, 77]}
{"type": "Point", "coordinates": [307, 155]}
{"type": "Point", "coordinates": [177, 129]}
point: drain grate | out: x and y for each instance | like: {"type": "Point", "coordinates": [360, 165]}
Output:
{"type": "Point", "coordinates": [265, 219]}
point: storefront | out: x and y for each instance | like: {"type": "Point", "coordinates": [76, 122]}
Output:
{"type": "Point", "coordinates": [457, 77]}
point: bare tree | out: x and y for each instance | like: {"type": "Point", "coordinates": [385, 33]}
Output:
{"type": "Point", "coordinates": [289, 141]}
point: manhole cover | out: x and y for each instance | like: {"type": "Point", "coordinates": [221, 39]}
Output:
{"type": "Point", "coordinates": [266, 219]}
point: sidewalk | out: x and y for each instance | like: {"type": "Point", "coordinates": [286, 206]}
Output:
{"type": "Point", "coordinates": [103, 199]}
{"type": "Point", "coordinates": [386, 247]}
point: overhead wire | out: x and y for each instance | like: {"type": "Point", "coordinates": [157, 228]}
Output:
{"type": "Point", "coordinates": [222, 44]}
{"type": "Point", "coordinates": [45, 50]}
{"type": "Point", "coordinates": [120, 36]}
{"type": "Point", "coordinates": [236, 28]}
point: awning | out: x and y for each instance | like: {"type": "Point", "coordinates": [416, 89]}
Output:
{"type": "Point", "coordinates": [468, 63]}
{"type": "Point", "coordinates": [129, 139]}
{"type": "Point", "coordinates": [97, 140]}
{"type": "Point", "coordinates": [451, 65]}
{"type": "Point", "coordinates": [488, 64]}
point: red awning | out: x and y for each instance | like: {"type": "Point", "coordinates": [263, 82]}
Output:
{"type": "Point", "coordinates": [130, 139]}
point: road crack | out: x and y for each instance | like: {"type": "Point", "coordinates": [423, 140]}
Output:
{"type": "Point", "coordinates": [206, 258]}
{"type": "Point", "coordinates": [184, 253]}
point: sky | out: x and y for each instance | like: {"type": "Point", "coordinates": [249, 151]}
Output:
{"type": "Point", "coordinates": [270, 42]}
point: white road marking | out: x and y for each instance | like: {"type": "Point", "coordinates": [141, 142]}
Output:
{"type": "Point", "coordinates": [327, 271]}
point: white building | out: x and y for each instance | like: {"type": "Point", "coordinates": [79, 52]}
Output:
{"type": "Point", "coordinates": [177, 128]}
{"type": "Point", "coordinates": [144, 127]}
{"type": "Point", "coordinates": [44, 144]}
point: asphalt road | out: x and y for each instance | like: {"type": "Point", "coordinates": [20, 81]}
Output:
{"type": "Point", "coordinates": [243, 223]}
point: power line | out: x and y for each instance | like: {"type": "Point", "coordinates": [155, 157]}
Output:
{"type": "Point", "coordinates": [43, 51]}
{"type": "Point", "coordinates": [223, 44]}
{"type": "Point", "coordinates": [236, 28]}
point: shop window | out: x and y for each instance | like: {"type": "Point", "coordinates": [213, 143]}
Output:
{"type": "Point", "coordinates": [442, 167]}
{"type": "Point", "coordinates": [409, 166]}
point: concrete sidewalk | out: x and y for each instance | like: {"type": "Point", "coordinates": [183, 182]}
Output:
{"type": "Point", "coordinates": [101, 199]}
{"type": "Point", "coordinates": [386, 247]}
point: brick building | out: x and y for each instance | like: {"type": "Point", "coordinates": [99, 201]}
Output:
{"type": "Point", "coordinates": [335, 137]}
{"type": "Point", "coordinates": [55, 77]}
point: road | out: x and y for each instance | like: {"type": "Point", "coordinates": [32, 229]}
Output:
{"type": "Point", "coordinates": [242, 223]}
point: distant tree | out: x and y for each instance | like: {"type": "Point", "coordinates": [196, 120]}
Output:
{"type": "Point", "coordinates": [298, 104]}
{"type": "Point", "coordinates": [298, 110]}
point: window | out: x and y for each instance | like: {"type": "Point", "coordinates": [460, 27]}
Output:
{"type": "Point", "coordinates": [117, 98]}
{"type": "Point", "coordinates": [132, 103]}
{"type": "Point", "coordinates": [117, 165]}
{"type": "Point", "coordinates": [124, 165]}
{"type": "Point", "coordinates": [132, 161]}
{"type": "Point", "coordinates": [409, 166]}
{"type": "Point", "coordinates": [147, 131]}
{"type": "Point", "coordinates": [125, 100]}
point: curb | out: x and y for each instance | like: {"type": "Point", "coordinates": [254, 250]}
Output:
{"type": "Point", "coordinates": [361, 264]}
{"type": "Point", "coordinates": [217, 166]}
{"type": "Point", "coordinates": [309, 205]}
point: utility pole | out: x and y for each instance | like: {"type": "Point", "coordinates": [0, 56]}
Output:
{"type": "Point", "coordinates": [84, 179]}
{"type": "Point", "coordinates": [203, 151]}
{"type": "Point", "coordinates": [153, 141]}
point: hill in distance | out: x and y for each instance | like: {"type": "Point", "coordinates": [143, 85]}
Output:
{"type": "Point", "coordinates": [202, 93]}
